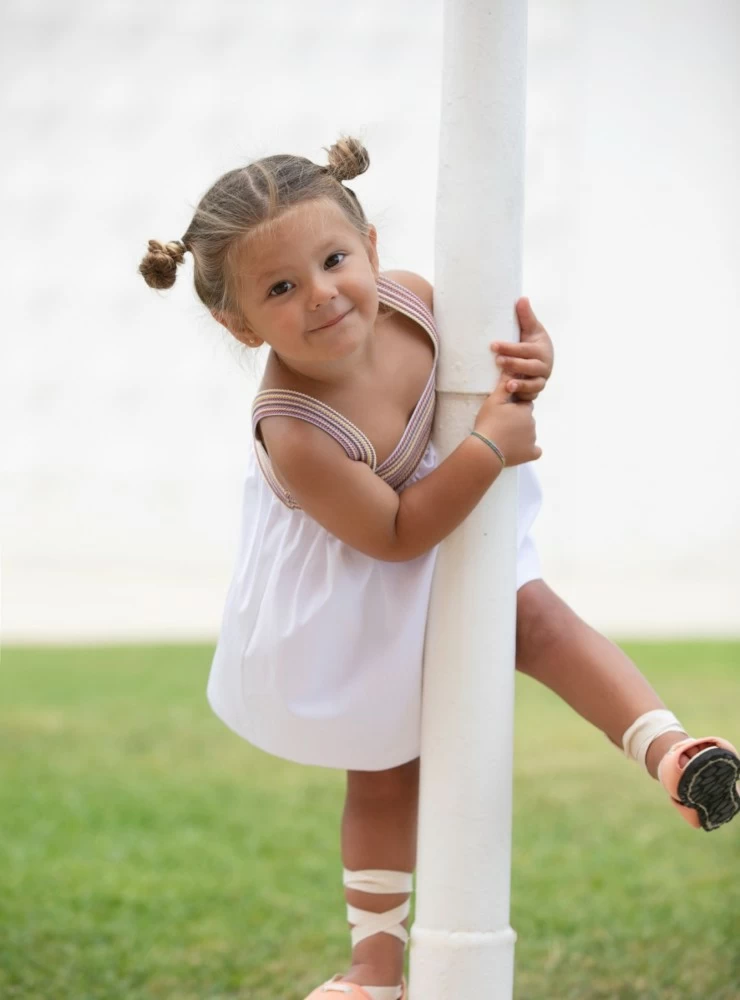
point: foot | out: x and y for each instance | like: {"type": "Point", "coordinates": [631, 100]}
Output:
{"type": "Point", "coordinates": [660, 747]}
{"type": "Point", "coordinates": [353, 986]}
{"type": "Point", "coordinates": [374, 975]}
{"type": "Point", "coordinates": [702, 780]}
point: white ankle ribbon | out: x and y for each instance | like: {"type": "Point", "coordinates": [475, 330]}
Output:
{"type": "Point", "coordinates": [379, 880]}
{"type": "Point", "coordinates": [367, 922]}
{"type": "Point", "coordinates": [636, 741]}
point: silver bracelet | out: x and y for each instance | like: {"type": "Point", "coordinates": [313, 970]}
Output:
{"type": "Point", "coordinates": [492, 446]}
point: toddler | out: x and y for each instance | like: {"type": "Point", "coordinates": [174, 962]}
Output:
{"type": "Point", "coordinates": [319, 657]}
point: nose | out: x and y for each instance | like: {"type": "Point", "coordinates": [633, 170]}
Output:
{"type": "Point", "coordinates": [323, 290]}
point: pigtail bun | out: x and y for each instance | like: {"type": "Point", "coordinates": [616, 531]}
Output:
{"type": "Point", "coordinates": [347, 158]}
{"type": "Point", "coordinates": [159, 266]}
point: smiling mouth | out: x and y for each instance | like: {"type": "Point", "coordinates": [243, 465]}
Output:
{"type": "Point", "coordinates": [332, 322]}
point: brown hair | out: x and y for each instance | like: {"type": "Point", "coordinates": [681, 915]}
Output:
{"type": "Point", "coordinates": [245, 198]}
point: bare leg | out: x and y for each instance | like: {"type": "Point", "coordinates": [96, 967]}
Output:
{"type": "Point", "coordinates": [379, 832]}
{"type": "Point", "coordinates": [584, 668]}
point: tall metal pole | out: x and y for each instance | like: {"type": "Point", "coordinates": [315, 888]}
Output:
{"type": "Point", "coordinates": [462, 945]}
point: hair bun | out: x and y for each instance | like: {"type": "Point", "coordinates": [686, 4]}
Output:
{"type": "Point", "coordinates": [347, 158]}
{"type": "Point", "coordinates": [159, 266]}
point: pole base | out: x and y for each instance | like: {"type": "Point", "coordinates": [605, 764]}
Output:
{"type": "Point", "coordinates": [452, 965]}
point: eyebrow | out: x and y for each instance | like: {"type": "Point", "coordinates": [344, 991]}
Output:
{"type": "Point", "coordinates": [268, 275]}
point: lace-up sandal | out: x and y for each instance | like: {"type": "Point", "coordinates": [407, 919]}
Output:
{"type": "Point", "coordinates": [366, 923]}
{"type": "Point", "coordinates": [351, 991]}
{"type": "Point", "coordinates": [705, 789]}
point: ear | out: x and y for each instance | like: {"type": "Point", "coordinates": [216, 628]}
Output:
{"type": "Point", "coordinates": [372, 252]}
{"type": "Point", "coordinates": [240, 330]}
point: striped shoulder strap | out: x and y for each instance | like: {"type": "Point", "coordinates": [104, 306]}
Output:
{"type": "Point", "coordinates": [404, 300]}
{"type": "Point", "coordinates": [289, 403]}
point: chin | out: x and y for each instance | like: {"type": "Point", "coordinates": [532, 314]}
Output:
{"type": "Point", "coordinates": [344, 346]}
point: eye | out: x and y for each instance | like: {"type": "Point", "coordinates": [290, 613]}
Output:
{"type": "Point", "coordinates": [279, 289]}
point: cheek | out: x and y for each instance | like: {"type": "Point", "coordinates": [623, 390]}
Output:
{"type": "Point", "coordinates": [289, 318]}
{"type": "Point", "coordinates": [367, 300]}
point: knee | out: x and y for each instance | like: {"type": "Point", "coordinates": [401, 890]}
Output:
{"type": "Point", "coordinates": [393, 785]}
{"type": "Point", "coordinates": [542, 621]}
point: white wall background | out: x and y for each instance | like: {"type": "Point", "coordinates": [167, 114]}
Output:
{"type": "Point", "coordinates": [125, 412]}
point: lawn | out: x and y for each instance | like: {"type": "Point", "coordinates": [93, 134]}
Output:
{"type": "Point", "coordinates": [147, 852]}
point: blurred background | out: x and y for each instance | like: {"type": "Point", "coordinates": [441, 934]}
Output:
{"type": "Point", "coordinates": [146, 852]}
{"type": "Point", "coordinates": [126, 411]}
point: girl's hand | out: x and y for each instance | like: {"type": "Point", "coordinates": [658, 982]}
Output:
{"type": "Point", "coordinates": [509, 424]}
{"type": "Point", "coordinates": [528, 363]}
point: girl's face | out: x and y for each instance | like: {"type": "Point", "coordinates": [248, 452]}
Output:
{"type": "Point", "coordinates": [308, 269]}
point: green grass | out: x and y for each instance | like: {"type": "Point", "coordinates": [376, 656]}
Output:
{"type": "Point", "coordinates": [147, 852]}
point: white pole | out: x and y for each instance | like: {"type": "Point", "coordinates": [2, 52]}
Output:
{"type": "Point", "coordinates": [461, 943]}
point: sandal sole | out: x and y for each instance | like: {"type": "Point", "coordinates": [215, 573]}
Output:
{"type": "Point", "coordinates": [708, 785]}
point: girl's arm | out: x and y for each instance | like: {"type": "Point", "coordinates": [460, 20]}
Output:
{"type": "Point", "coordinates": [354, 504]}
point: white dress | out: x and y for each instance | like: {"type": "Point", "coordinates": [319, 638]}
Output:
{"type": "Point", "coordinates": [319, 655]}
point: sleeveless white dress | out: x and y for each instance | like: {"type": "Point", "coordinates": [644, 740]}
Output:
{"type": "Point", "coordinates": [319, 656]}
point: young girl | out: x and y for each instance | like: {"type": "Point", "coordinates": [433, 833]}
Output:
{"type": "Point", "coordinates": [319, 657]}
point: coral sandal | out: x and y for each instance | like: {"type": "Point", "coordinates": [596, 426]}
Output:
{"type": "Point", "coordinates": [704, 791]}
{"type": "Point", "coordinates": [335, 988]}
{"type": "Point", "coordinates": [367, 923]}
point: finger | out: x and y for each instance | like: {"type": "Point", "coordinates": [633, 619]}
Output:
{"type": "Point", "coordinates": [525, 314]}
{"type": "Point", "coordinates": [524, 304]}
{"type": "Point", "coordinates": [529, 368]}
{"type": "Point", "coordinates": [501, 391]}
{"type": "Point", "coordinates": [528, 388]}
{"type": "Point", "coordinates": [515, 348]}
